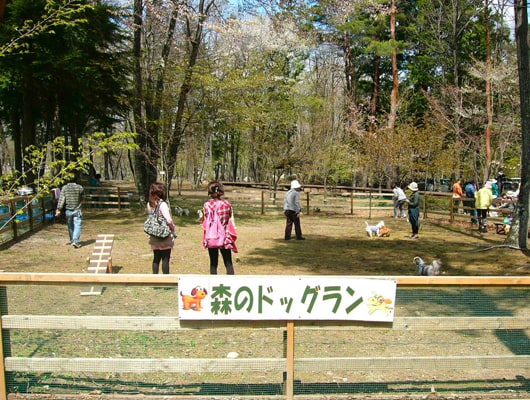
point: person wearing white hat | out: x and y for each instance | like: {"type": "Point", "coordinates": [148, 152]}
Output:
{"type": "Point", "coordinates": [494, 188]}
{"type": "Point", "coordinates": [414, 210]}
{"type": "Point", "coordinates": [292, 210]}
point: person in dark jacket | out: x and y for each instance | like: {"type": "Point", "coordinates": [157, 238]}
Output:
{"type": "Point", "coordinates": [414, 210]}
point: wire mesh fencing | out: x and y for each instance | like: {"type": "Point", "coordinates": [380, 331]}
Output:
{"type": "Point", "coordinates": [130, 341]}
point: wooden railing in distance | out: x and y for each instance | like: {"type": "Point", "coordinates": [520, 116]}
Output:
{"type": "Point", "coordinates": [112, 197]}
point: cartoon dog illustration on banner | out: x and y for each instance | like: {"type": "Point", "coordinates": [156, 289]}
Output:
{"type": "Point", "coordinates": [379, 303]}
{"type": "Point", "coordinates": [193, 302]}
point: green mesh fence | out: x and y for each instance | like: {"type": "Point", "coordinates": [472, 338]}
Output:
{"type": "Point", "coordinates": [444, 340]}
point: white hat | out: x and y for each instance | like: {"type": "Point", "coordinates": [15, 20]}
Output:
{"type": "Point", "coordinates": [413, 186]}
{"type": "Point", "coordinates": [493, 180]}
{"type": "Point", "coordinates": [295, 184]}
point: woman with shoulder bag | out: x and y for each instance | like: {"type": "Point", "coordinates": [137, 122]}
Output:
{"type": "Point", "coordinates": [161, 246]}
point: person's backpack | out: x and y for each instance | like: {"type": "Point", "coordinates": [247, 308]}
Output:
{"type": "Point", "coordinates": [214, 230]}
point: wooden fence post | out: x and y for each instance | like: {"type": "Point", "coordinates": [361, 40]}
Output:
{"type": "Point", "coordinates": [29, 209]}
{"type": "Point", "coordinates": [307, 202]}
{"type": "Point", "coordinates": [370, 205]}
{"type": "Point", "coordinates": [13, 213]}
{"type": "Point", "coordinates": [288, 341]}
{"type": "Point", "coordinates": [262, 202]}
{"type": "Point", "coordinates": [119, 199]}
{"type": "Point", "coordinates": [5, 344]}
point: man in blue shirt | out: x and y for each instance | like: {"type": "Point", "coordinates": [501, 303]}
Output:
{"type": "Point", "coordinates": [470, 191]}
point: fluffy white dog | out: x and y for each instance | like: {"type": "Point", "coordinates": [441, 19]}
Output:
{"type": "Point", "coordinates": [427, 269]}
{"type": "Point", "coordinates": [372, 230]}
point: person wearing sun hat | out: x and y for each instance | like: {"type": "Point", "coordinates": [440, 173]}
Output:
{"type": "Point", "coordinates": [414, 210]}
{"type": "Point", "coordinates": [292, 210]}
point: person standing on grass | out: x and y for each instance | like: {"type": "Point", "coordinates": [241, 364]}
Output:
{"type": "Point", "coordinates": [470, 191]}
{"type": "Point", "coordinates": [414, 210]}
{"type": "Point", "coordinates": [161, 247]}
{"type": "Point", "coordinates": [292, 210]}
{"type": "Point", "coordinates": [458, 193]}
{"type": "Point", "coordinates": [484, 198]}
{"type": "Point", "coordinates": [399, 199]}
{"type": "Point", "coordinates": [224, 209]}
{"type": "Point", "coordinates": [71, 198]}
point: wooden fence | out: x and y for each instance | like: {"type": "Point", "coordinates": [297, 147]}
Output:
{"type": "Point", "coordinates": [364, 202]}
{"type": "Point", "coordinates": [24, 214]}
{"type": "Point", "coordinates": [113, 197]}
{"type": "Point", "coordinates": [498, 308]}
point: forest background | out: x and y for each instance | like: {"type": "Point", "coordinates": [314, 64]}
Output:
{"type": "Point", "coordinates": [363, 93]}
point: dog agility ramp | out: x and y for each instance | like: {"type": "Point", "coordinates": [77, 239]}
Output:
{"type": "Point", "coordinates": [99, 262]}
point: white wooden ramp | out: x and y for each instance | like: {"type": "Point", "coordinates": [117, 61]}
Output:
{"type": "Point", "coordinates": [99, 262]}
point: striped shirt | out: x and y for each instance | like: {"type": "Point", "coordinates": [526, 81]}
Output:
{"type": "Point", "coordinates": [71, 196]}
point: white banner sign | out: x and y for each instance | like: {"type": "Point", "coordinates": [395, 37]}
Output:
{"type": "Point", "coordinates": [255, 297]}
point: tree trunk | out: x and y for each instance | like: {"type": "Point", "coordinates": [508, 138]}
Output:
{"type": "Point", "coordinates": [28, 122]}
{"type": "Point", "coordinates": [16, 131]}
{"type": "Point", "coordinates": [195, 39]}
{"type": "Point", "coordinates": [2, 10]}
{"type": "Point", "coordinates": [395, 78]}
{"type": "Point", "coordinates": [375, 92]}
{"type": "Point", "coordinates": [144, 171]}
{"type": "Point", "coordinates": [489, 105]}
{"type": "Point", "coordinates": [523, 67]}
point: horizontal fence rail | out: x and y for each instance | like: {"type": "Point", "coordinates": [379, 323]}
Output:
{"type": "Point", "coordinates": [510, 316]}
{"type": "Point", "coordinates": [113, 197]}
{"type": "Point", "coordinates": [23, 214]}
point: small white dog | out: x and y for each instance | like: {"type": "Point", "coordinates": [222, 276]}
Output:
{"type": "Point", "coordinates": [372, 230]}
{"type": "Point", "coordinates": [428, 269]}
{"type": "Point", "coordinates": [182, 211]}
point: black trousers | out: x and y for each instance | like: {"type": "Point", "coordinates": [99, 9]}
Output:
{"type": "Point", "coordinates": [164, 256]}
{"type": "Point", "coordinates": [293, 218]}
{"type": "Point", "coordinates": [227, 259]}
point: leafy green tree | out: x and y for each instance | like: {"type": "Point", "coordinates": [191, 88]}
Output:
{"type": "Point", "coordinates": [174, 37]}
{"type": "Point", "coordinates": [64, 78]}
{"type": "Point", "coordinates": [51, 169]}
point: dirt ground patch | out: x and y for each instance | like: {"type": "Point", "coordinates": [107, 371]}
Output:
{"type": "Point", "coordinates": [335, 245]}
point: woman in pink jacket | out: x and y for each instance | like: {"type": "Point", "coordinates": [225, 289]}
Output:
{"type": "Point", "coordinates": [224, 209]}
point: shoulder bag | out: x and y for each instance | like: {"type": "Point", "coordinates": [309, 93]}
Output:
{"type": "Point", "coordinates": [156, 225]}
